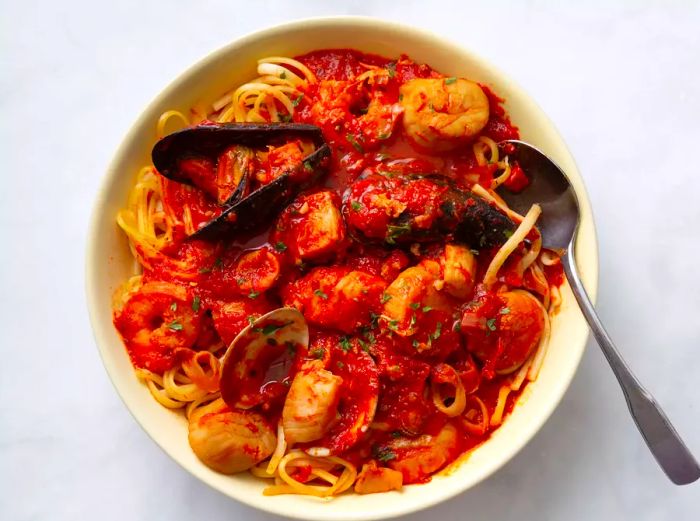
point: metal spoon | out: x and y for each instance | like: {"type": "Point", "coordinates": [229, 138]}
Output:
{"type": "Point", "coordinates": [558, 224]}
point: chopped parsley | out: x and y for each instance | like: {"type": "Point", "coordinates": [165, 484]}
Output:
{"type": "Point", "coordinates": [414, 305]}
{"type": "Point", "coordinates": [438, 331]}
{"type": "Point", "coordinates": [308, 166]}
{"type": "Point", "coordinates": [363, 345]}
{"type": "Point", "coordinates": [382, 157]}
{"type": "Point", "coordinates": [504, 311]}
{"type": "Point", "coordinates": [196, 303]}
{"type": "Point", "coordinates": [374, 320]}
{"type": "Point", "coordinates": [280, 246]}
{"type": "Point", "coordinates": [351, 139]}
{"type": "Point", "coordinates": [391, 67]}
{"type": "Point", "coordinates": [345, 344]}
{"type": "Point", "coordinates": [393, 325]}
{"type": "Point", "coordinates": [340, 364]}
{"type": "Point", "coordinates": [218, 262]}
{"type": "Point", "coordinates": [450, 81]}
{"type": "Point", "coordinates": [321, 294]}
{"type": "Point", "coordinates": [396, 434]}
{"type": "Point", "coordinates": [204, 270]}
{"type": "Point", "coordinates": [357, 206]}
{"type": "Point", "coordinates": [415, 343]}
{"type": "Point", "coordinates": [426, 309]}
{"type": "Point", "coordinates": [385, 298]}
{"type": "Point", "coordinates": [297, 100]}
{"type": "Point", "coordinates": [395, 231]}
{"type": "Point", "coordinates": [173, 306]}
{"type": "Point", "coordinates": [318, 353]}
{"type": "Point", "coordinates": [253, 294]}
{"type": "Point", "coordinates": [271, 328]}
{"type": "Point", "coordinates": [384, 454]}
{"type": "Point", "coordinates": [491, 324]}
{"type": "Point", "coordinates": [175, 326]}
{"type": "Point", "coordinates": [507, 233]}
{"type": "Point", "coordinates": [251, 320]}
{"type": "Point", "coordinates": [384, 135]}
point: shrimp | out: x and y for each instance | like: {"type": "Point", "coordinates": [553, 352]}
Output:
{"type": "Point", "coordinates": [311, 404]}
{"type": "Point", "coordinates": [157, 319]}
{"type": "Point", "coordinates": [443, 113]}
{"type": "Point", "coordinates": [503, 329]}
{"type": "Point", "coordinates": [231, 441]}
{"type": "Point", "coordinates": [417, 458]}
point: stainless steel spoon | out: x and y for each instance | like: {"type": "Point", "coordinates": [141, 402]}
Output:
{"type": "Point", "coordinates": [558, 224]}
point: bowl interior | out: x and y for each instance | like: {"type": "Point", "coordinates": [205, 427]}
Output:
{"type": "Point", "coordinates": [109, 261]}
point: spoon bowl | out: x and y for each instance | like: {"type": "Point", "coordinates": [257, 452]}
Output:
{"type": "Point", "coordinates": [550, 188]}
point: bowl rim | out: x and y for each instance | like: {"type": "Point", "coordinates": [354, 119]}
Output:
{"type": "Point", "coordinates": [93, 303]}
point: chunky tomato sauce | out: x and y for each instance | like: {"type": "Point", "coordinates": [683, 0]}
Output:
{"type": "Point", "coordinates": [396, 320]}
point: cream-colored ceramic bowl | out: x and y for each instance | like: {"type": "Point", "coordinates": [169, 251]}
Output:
{"type": "Point", "coordinates": [109, 262]}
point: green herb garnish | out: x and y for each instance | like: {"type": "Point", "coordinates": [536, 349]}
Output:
{"type": "Point", "coordinates": [173, 306]}
{"type": "Point", "coordinates": [196, 302]}
{"type": "Point", "coordinates": [345, 344]}
{"type": "Point", "coordinates": [253, 294]}
{"type": "Point", "coordinates": [351, 139]}
{"type": "Point", "coordinates": [385, 298]}
{"type": "Point", "coordinates": [280, 246]}
{"type": "Point", "coordinates": [491, 324]}
{"type": "Point", "coordinates": [271, 328]}
{"type": "Point", "coordinates": [450, 81]}
{"type": "Point", "coordinates": [438, 331]}
{"type": "Point", "coordinates": [321, 294]}
{"type": "Point", "coordinates": [357, 206]}
{"type": "Point", "coordinates": [395, 231]}
{"type": "Point", "coordinates": [175, 326]}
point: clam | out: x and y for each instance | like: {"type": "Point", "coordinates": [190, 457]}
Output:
{"type": "Point", "coordinates": [218, 158]}
{"type": "Point", "coordinates": [259, 359]}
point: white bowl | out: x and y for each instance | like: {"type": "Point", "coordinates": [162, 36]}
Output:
{"type": "Point", "coordinates": [109, 261]}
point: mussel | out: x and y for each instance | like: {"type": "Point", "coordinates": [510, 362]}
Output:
{"type": "Point", "coordinates": [219, 159]}
{"type": "Point", "coordinates": [405, 208]}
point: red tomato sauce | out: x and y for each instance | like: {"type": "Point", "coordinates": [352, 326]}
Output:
{"type": "Point", "coordinates": [306, 259]}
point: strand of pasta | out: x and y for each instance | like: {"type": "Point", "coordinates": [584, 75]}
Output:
{"type": "Point", "coordinates": [497, 416]}
{"type": "Point", "coordinates": [286, 484]}
{"type": "Point", "coordinates": [459, 399]}
{"type": "Point", "coordinates": [281, 83]}
{"type": "Point", "coordinates": [471, 427]}
{"type": "Point", "coordinates": [509, 246]}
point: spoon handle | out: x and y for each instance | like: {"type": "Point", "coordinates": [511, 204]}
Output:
{"type": "Point", "coordinates": [663, 440]}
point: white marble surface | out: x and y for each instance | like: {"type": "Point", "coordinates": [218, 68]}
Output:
{"type": "Point", "coordinates": [623, 85]}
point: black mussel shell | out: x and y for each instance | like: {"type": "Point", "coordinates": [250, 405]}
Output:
{"type": "Point", "coordinates": [211, 139]}
{"type": "Point", "coordinates": [262, 205]}
{"type": "Point", "coordinates": [465, 216]}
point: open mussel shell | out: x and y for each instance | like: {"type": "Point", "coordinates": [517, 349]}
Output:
{"type": "Point", "coordinates": [262, 352]}
{"type": "Point", "coordinates": [262, 205]}
{"type": "Point", "coordinates": [210, 140]}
